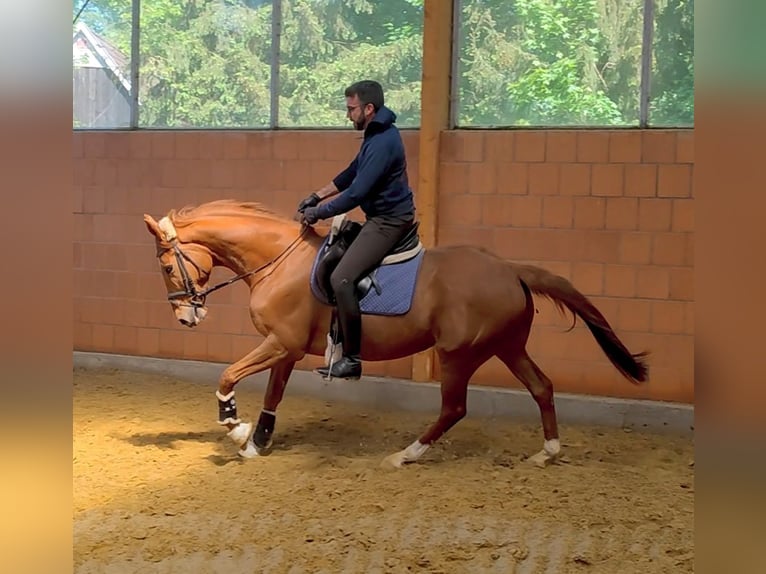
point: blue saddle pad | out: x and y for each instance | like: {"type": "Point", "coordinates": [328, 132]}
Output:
{"type": "Point", "coordinates": [397, 286]}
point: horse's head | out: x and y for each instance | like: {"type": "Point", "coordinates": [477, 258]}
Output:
{"type": "Point", "coordinates": [185, 267]}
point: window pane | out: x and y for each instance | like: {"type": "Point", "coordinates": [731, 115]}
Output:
{"type": "Point", "coordinates": [101, 64]}
{"type": "Point", "coordinates": [672, 88]}
{"type": "Point", "coordinates": [328, 44]}
{"type": "Point", "coordinates": [205, 63]}
{"type": "Point", "coordinates": [549, 63]}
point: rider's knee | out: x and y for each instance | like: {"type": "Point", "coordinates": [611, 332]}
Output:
{"type": "Point", "coordinates": [340, 283]}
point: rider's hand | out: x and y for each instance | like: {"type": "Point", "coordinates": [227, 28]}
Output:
{"type": "Point", "coordinates": [311, 215]}
{"type": "Point", "coordinates": [311, 201]}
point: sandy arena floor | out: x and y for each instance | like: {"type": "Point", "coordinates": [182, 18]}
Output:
{"type": "Point", "coordinates": [158, 488]}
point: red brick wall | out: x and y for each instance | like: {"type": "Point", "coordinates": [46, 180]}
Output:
{"type": "Point", "coordinates": [610, 210]}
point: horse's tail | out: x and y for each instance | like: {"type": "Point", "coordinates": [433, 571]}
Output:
{"type": "Point", "coordinates": [563, 294]}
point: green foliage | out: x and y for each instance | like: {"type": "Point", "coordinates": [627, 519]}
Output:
{"type": "Point", "coordinates": [553, 95]}
{"type": "Point", "coordinates": [673, 79]}
{"type": "Point", "coordinates": [539, 62]}
{"type": "Point", "coordinates": [109, 18]}
{"type": "Point", "coordinates": [207, 63]}
{"type": "Point", "coordinates": [328, 44]}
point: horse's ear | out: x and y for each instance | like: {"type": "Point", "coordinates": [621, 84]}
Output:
{"type": "Point", "coordinates": [153, 227]}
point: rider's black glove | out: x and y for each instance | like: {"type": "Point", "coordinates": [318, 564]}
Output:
{"type": "Point", "coordinates": [311, 215]}
{"type": "Point", "coordinates": [311, 201]}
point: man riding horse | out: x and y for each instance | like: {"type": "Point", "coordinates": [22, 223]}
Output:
{"type": "Point", "coordinates": [376, 181]}
{"type": "Point", "coordinates": [467, 322]}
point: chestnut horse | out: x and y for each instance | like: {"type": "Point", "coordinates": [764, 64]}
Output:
{"type": "Point", "coordinates": [469, 304]}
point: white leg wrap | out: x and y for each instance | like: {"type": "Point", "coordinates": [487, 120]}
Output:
{"type": "Point", "coordinates": [552, 447]}
{"type": "Point", "coordinates": [240, 433]}
{"type": "Point", "coordinates": [222, 397]}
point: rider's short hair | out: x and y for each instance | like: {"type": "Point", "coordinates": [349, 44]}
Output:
{"type": "Point", "coordinates": [368, 92]}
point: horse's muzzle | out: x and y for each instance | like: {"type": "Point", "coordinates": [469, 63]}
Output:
{"type": "Point", "coordinates": [190, 316]}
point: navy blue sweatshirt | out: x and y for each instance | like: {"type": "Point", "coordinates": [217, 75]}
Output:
{"type": "Point", "coordinates": [376, 180]}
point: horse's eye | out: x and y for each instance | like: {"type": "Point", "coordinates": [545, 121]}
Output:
{"type": "Point", "coordinates": [168, 269]}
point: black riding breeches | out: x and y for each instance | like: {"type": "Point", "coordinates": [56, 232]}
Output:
{"type": "Point", "coordinates": [377, 237]}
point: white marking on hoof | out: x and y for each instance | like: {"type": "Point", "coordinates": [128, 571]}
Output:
{"type": "Point", "coordinates": [249, 451]}
{"type": "Point", "coordinates": [240, 433]}
{"type": "Point", "coordinates": [409, 454]}
{"type": "Point", "coordinates": [541, 459]}
{"type": "Point", "coordinates": [549, 454]}
{"type": "Point", "coordinates": [395, 460]}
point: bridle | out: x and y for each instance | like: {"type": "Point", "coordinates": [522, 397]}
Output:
{"type": "Point", "coordinates": [197, 297]}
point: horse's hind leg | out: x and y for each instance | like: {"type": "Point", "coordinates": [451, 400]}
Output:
{"type": "Point", "coordinates": [541, 388]}
{"type": "Point", "coordinates": [456, 372]}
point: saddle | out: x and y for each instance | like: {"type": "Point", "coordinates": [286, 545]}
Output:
{"type": "Point", "coordinates": [342, 234]}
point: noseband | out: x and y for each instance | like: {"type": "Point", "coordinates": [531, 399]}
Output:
{"type": "Point", "coordinates": [197, 297]}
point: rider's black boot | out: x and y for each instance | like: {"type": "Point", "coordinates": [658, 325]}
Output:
{"type": "Point", "coordinates": [347, 367]}
{"type": "Point", "coordinates": [350, 365]}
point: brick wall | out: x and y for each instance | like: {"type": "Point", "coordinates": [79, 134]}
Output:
{"type": "Point", "coordinates": [610, 210]}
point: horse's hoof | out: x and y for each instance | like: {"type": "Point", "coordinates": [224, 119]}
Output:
{"type": "Point", "coordinates": [542, 459]}
{"type": "Point", "coordinates": [263, 451]}
{"type": "Point", "coordinates": [393, 461]}
{"type": "Point", "coordinates": [249, 450]}
{"type": "Point", "coordinates": [240, 433]}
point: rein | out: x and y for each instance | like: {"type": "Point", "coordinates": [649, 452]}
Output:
{"type": "Point", "coordinates": [197, 298]}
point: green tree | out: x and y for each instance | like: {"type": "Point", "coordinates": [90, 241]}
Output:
{"type": "Point", "coordinates": [328, 44]}
{"type": "Point", "coordinates": [207, 63]}
{"type": "Point", "coordinates": [537, 62]}
{"type": "Point", "coordinates": [109, 18]}
{"type": "Point", "coordinates": [672, 101]}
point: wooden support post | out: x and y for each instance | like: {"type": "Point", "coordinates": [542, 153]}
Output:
{"type": "Point", "coordinates": [434, 118]}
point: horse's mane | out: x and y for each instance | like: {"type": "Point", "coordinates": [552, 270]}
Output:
{"type": "Point", "coordinates": [220, 208]}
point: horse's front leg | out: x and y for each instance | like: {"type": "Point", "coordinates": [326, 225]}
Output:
{"type": "Point", "coordinates": [264, 431]}
{"type": "Point", "coordinates": [265, 356]}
